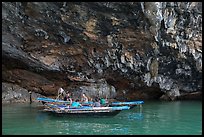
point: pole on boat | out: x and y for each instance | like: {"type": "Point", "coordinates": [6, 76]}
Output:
{"type": "Point", "coordinates": [30, 97]}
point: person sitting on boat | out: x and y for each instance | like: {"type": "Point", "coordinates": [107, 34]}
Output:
{"type": "Point", "coordinates": [67, 97]}
{"type": "Point", "coordinates": [76, 103]}
{"type": "Point", "coordinates": [84, 98]}
{"type": "Point", "coordinates": [103, 102]}
{"type": "Point", "coordinates": [97, 102]}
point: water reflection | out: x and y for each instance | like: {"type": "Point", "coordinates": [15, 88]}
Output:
{"type": "Point", "coordinates": [41, 117]}
{"type": "Point", "coordinates": [119, 130]}
{"type": "Point", "coordinates": [123, 123]}
{"type": "Point", "coordinates": [135, 116]}
{"type": "Point", "coordinates": [81, 127]}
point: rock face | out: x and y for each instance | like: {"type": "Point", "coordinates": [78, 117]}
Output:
{"type": "Point", "coordinates": [130, 51]}
{"type": "Point", "coordinates": [13, 93]}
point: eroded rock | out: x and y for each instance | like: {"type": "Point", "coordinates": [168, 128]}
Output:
{"type": "Point", "coordinates": [131, 46]}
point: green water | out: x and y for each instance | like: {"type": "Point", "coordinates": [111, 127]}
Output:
{"type": "Point", "coordinates": [155, 118]}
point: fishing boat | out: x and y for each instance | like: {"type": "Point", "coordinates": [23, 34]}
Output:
{"type": "Point", "coordinates": [85, 111]}
{"type": "Point", "coordinates": [63, 108]}
{"type": "Point", "coordinates": [127, 103]}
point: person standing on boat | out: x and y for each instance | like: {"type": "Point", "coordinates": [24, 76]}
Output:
{"type": "Point", "coordinates": [84, 98]}
{"type": "Point", "coordinates": [60, 93]}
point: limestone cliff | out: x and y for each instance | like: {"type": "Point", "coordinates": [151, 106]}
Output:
{"type": "Point", "coordinates": [127, 51]}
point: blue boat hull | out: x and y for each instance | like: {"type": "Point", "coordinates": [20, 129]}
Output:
{"type": "Point", "coordinates": [128, 103]}
{"type": "Point", "coordinates": [131, 104]}
{"type": "Point", "coordinates": [52, 100]}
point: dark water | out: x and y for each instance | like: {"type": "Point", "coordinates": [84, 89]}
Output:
{"type": "Point", "coordinates": [155, 118]}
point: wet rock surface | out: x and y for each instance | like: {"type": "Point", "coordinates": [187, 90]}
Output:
{"type": "Point", "coordinates": [140, 50]}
